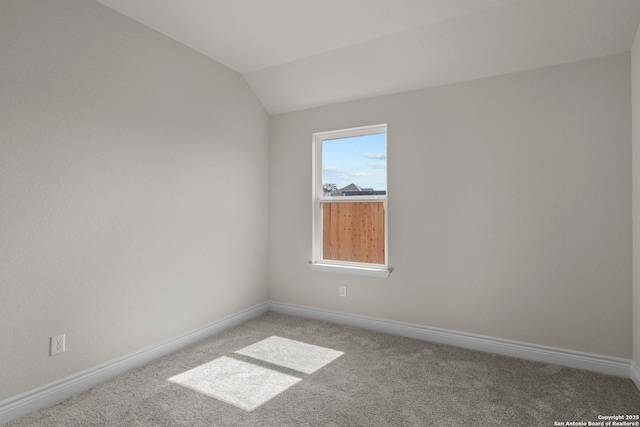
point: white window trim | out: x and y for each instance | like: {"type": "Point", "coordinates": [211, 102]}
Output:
{"type": "Point", "coordinates": [317, 263]}
{"type": "Point", "coordinates": [355, 269]}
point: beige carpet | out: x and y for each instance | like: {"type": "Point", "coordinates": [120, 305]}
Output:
{"type": "Point", "coordinates": [365, 379]}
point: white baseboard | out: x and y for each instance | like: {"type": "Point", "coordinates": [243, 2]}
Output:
{"type": "Point", "coordinates": [30, 401]}
{"type": "Point", "coordinates": [635, 374]}
{"type": "Point", "coordinates": [538, 353]}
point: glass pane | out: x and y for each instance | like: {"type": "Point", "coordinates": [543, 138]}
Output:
{"type": "Point", "coordinates": [355, 166]}
{"type": "Point", "coordinates": [353, 232]}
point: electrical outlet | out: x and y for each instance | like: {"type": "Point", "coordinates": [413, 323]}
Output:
{"type": "Point", "coordinates": [343, 291]}
{"type": "Point", "coordinates": [57, 344]}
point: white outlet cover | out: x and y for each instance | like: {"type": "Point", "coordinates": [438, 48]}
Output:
{"type": "Point", "coordinates": [343, 291]}
{"type": "Point", "coordinates": [57, 344]}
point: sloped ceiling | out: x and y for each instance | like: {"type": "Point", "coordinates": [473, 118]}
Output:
{"type": "Point", "coordinates": [298, 54]}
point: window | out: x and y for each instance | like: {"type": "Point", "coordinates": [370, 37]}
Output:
{"type": "Point", "coordinates": [350, 201]}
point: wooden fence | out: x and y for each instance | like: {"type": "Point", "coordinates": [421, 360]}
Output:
{"type": "Point", "coordinates": [353, 231]}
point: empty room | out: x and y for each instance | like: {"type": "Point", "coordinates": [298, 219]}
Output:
{"type": "Point", "coordinates": [319, 212]}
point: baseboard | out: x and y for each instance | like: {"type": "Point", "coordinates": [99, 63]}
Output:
{"type": "Point", "coordinates": [30, 401]}
{"type": "Point", "coordinates": [573, 359]}
{"type": "Point", "coordinates": [635, 374]}
{"type": "Point", "coordinates": [25, 403]}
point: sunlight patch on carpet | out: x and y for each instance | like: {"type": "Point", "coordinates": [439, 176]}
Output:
{"type": "Point", "coordinates": [306, 358]}
{"type": "Point", "coordinates": [238, 383]}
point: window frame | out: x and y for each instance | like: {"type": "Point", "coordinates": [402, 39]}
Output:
{"type": "Point", "coordinates": [318, 198]}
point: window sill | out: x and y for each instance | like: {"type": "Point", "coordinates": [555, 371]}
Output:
{"type": "Point", "coordinates": [382, 272]}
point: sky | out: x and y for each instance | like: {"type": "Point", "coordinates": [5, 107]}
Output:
{"type": "Point", "coordinates": [361, 160]}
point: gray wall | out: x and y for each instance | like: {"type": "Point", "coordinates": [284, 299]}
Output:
{"type": "Point", "coordinates": [635, 82]}
{"type": "Point", "coordinates": [509, 208]}
{"type": "Point", "coordinates": [133, 189]}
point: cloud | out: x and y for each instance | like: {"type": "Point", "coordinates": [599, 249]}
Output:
{"type": "Point", "coordinates": [379, 156]}
{"type": "Point", "coordinates": [339, 175]}
{"type": "Point", "coordinates": [332, 169]}
{"type": "Point", "coordinates": [378, 165]}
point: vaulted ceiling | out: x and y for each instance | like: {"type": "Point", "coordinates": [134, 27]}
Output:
{"type": "Point", "coordinates": [298, 54]}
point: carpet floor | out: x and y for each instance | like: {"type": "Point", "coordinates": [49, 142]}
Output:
{"type": "Point", "coordinates": [358, 378]}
